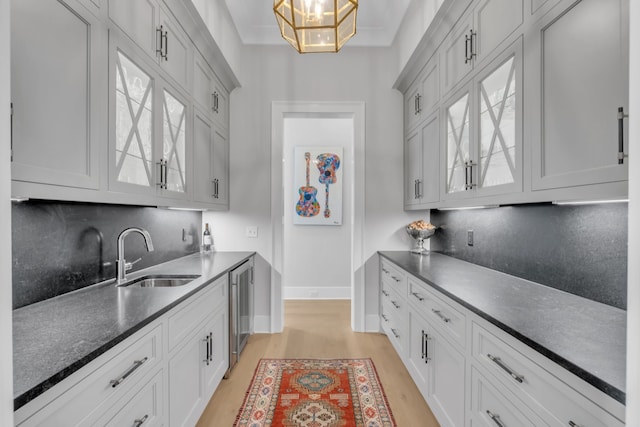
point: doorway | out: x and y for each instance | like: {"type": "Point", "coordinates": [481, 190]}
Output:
{"type": "Point", "coordinates": [300, 251]}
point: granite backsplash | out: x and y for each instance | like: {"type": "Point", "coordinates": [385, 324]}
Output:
{"type": "Point", "coordinates": [59, 247]}
{"type": "Point", "coordinates": [581, 249]}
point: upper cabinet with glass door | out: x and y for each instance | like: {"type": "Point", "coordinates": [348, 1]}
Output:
{"type": "Point", "coordinates": [152, 28]}
{"type": "Point", "coordinates": [483, 137]}
{"type": "Point", "coordinates": [150, 119]}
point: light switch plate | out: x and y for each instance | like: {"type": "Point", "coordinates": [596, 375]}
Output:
{"type": "Point", "coordinates": [252, 231]}
{"type": "Point", "coordinates": [470, 238]}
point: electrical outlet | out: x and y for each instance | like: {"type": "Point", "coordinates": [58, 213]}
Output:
{"type": "Point", "coordinates": [252, 231]}
{"type": "Point", "coordinates": [469, 237]}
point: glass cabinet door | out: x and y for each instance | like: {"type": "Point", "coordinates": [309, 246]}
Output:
{"type": "Point", "coordinates": [173, 143]}
{"type": "Point", "coordinates": [133, 123]}
{"type": "Point", "coordinates": [497, 132]}
{"type": "Point", "coordinates": [458, 144]}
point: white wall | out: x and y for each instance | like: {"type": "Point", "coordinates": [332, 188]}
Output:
{"type": "Point", "coordinates": [274, 73]}
{"type": "Point", "coordinates": [633, 277]}
{"type": "Point", "coordinates": [317, 258]}
{"type": "Point", "coordinates": [6, 349]}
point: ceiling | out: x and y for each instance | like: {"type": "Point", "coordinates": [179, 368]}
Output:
{"type": "Point", "coordinates": [377, 22]}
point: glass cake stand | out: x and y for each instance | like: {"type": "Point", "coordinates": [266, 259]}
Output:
{"type": "Point", "coordinates": [420, 236]}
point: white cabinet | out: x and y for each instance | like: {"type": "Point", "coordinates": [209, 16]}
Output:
{"type": "Point", "coordinates": [220, 168]}
{"type": "Point", "coordinates": [438, 370]}
{"type": "Point", "coordinates": [483, 131]}
{"type": "Point", "coordinates": [152, 28]}
{"type": "Point", "coordinates": [477, 35]}
{"type": "Point", "coordinates": [57, 129]}
{"type": "Point", "coordinates": [198, 345]}
{"type": "Point", "coordinates": [422, 164]}
{"type": "Point", "coordinates": [150, 146]}
{"type": "Point", "coordinates": [423, 96]}
{"type": "Point", "coordinates": [580, 81]}
{"type": "Point", "coordinates": [102, 388]}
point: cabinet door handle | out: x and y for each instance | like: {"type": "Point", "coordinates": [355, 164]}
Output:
{"type": "Point", "coordinates": [166, 45]}
{"type": "Point", "coordinates": [425, 340]}
{"type": "Point", "coordinates": [162, 42]}
{"type": "Point", "coordinates": [468, 175]}
{"type": "Point", "coordinates": [469, 53]}
{"type": "Point", "coordinates": [136, 365]}
{"type": "Point", "coordinates": [418, 296]}
{"type": "Point", "coordinates": [210, 346]}
{"type": "Point", "coordinates": [163, 174]}
{"type": "Point", "coordinates": [466, 49]}
{"type": "Point", "coordinates": [441, 316]}
{"type": "Point", "coordinates": [216, 187]}
{"type": "Point", "coordinates": [419, 107]}
{"type": "Point", "coordinates": [415, 105]}
{"type": "Point", "coordinates": [140, 421]}
{"type": "Point", "coordinates": [495, 418]}
{"type": "Point", "coordinates": [215, 102]}
{"type": "Point", "coordinates": [207, 357]}
{"type": "Point", "coordinates": [500, 363]}
{"type": "Point", "coordinates": [423, 344]}
{"type": "Point", "coordinates": [621, 117]}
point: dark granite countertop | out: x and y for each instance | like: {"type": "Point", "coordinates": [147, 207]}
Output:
{"type": "Point", "coordinates": [585, 337]}
{"type": "Point", "coordinates": [54, 338]}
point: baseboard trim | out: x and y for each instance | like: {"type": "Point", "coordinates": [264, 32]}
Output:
{"type": "Point", "coordinates": [261, 324]}
{"type": "Point", "coordinates": [372, 323]}
{"type": "Point", "coordinates": [305, 293]}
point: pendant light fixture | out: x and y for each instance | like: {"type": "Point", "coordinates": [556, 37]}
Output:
{"type": "Point", "coordinates": [312, 26]}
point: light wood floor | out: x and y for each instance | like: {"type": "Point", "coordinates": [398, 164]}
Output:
{"type": "Point", "coordinates": [320, 329]}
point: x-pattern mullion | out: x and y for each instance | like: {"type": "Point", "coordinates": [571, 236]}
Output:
{"type": "Point", "coordinates": [174, 138]}
{"type": "Point", "coordinates": [135, 118]}
{"type": "Point", "coordinates": [497, 132]}
{"type": "Point", "coordinates": [458, 141]}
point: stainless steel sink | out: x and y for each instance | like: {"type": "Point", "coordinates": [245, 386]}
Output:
{"type": "Point", "coordinates": [160, 281]}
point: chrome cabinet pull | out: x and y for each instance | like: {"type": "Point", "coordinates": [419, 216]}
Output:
{"type": "Point", "coordinates": [395, 278]}
{"type": "Point", "coordinates": [385, 293]}
{"type": "Point", "coordinates": [572, 424]}
{"type": "Point", "coordinates": [621, 117]}
{"type": "Point", "coordinates": [425, 342]}
{"type": "Point", "coordinates": [469, 54]}
{"type": "Point", "coordinates": [163, 174]}
{"type": "Point", "coordinates": [419, 109]}
{"type": "Point", "coordinates": [441, 316]}
{"type": "Point", "coordinates": [384, 270]}
{"type": "Point", "coordinates": [207, 357]}
{"type": "Point", "coordinates": [136, 365]}
{"type": "Point", "coordinates": [468, 175]}
{"type": "Point", "coordinates": [163, 42]}
{"type": "Point", "coordinates": [495, 418]}
{"type": "Point", "coordinates": [216, 188]}
{"type": "Point", "coordinates": [140, 421]}
{"type": "Point", "coordinates": [395, 333]}
{"type": "Point", "coordinates": [395, 304]}
{"type": "Point", "coordinates": [216, 102]}
{"type": "Point", "coordinates": [210, 346]}
{"type": "Point", "coordinates": [423, 345]}
{"type": "Point", "coordinates": [500, 363]}
{"type": "Point", "coordinates": [385, 318]}
{"type": "Point", "coordinates": [418, 296]}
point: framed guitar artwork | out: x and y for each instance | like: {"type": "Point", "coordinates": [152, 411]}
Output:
{"type": "Point", "coordinates": [318, 185]}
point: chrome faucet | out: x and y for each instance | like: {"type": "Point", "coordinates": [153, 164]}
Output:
{"type": "Point", "coordinates": [121, 265]}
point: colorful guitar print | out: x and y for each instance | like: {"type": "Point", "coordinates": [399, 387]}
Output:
{"type": "Point", "coordinates": [327, 164]}
{"type": "Point", "coordinates": [307, 206]}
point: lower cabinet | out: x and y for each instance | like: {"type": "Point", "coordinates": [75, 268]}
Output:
{"type": "Point", "coordinates": [438, 370]}
{"type": "Point", "coordinates": [163, 375]}
{"type": "Point", "coordinates": [472, 373]}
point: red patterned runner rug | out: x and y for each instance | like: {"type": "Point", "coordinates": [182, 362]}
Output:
{"type": "Point", "coordinates": [315, 393]}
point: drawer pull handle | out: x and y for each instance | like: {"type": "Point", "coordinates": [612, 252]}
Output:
{"type": "Point", "coordinates": [495, 418]}
{"type": "Point", "coordinates": [498, 361]}
{"type": "Point", "coordinates": [395, 304]}
{"type": "Point", "coordinates": [207, 358]}
{"type": "Point", "coordinates": [395, 278]}
{"type": "Point", "coordinates": [572, 424]}
{"type": "Point", "coordinates": [425, 347]}
{"type": "Point", "coordinates": [385, 270]}
{"type": "Point", "coordinates": [385, 293]}
{"type": "Point", "coordinates": [384, 318]}
{"type": "Point", "coordinates": [439, 314]}
{"type": "Point", "coordinates": [140, 421]}
{"type": "Point", "coordinates": [136, 365]}
{"type": "Point", "coordinates": [395, 333]}
{"type": "Point", "coordinates": [418, 296]}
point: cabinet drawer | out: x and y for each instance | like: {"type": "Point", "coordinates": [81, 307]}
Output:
{"type": "Point", "coordinates": [449, 321]}
{"type": "Point", "coordinates": [393, 278]}
{"type": "Point", "coordinates": [182, 323]}
{"type": "Point", "coordinates": [143, 407]}
{"type": "Point", "coordinates": [81, 404]}
{"type": "Point", "coordinates": [552, 399]}
{"type": "Point", "coordinates": [394, 325]}
{"type": "Point", "coordinates": [489, 408]}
